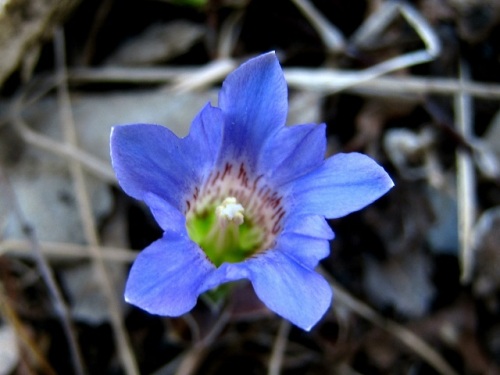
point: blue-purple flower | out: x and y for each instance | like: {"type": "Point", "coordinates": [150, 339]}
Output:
{"type": "Point", "coordinates": [241, 197]}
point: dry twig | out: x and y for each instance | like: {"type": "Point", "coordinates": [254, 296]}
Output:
{"type": "Point", "coordinates": [466, 180]}
{"type": "Point", "coordinates": [407, 337]}
{"type": "Point", "coordinates": [58, 302]}
{"type": "Point", "coordinates": [193, 357]}
{"type": "Point", "coordinates": [324, 80]}
{"type": "Point", "coordinates": [65, 251]}
{"type": "Point", "coordinates": [279, 348]}
{"type": "Point", "coordinates": [121, 337]}
{"type": "Point", "coordinates": [332, 38]}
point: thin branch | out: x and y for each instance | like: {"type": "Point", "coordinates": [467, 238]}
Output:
{"type": "Point", "coordinates": [423, 29]}
{"type": "Point", "coordinates": [210, 74]}
{"type": "Point", "coordinates": [139, 76]}
{"type": "Point", "coordinates": [92, 164]}
{"type": "Point", "coordinates": [58, 302]}
{"type": "Point", "coordinates": [228, 35]}
{"type": "Point", "coordinates": [407, 337]}
{"type": "Point", "coordinates": [23, 337]}
{"type": "Point", "coordinates": [193, 357]}
{"type": "Point", "coordinates": [121, 339]}
{"type": "Point", "coordinates": [376, 24]}
{"type": "Point", "coordinates": [279, 348]}
{"type": "Point", "coordinates": [324, 80]}
{"type": "Point", "coordinates": [332, 38]}
{"type": "Point", "coordinates": [466, 180]}
{"type": "Point", "coordinates": [331, 80]}
{"type": "Point", "coordinates": [64, 251]}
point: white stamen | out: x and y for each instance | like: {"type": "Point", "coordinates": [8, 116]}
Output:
{"type": "Point", "coordinates": [230, 210]}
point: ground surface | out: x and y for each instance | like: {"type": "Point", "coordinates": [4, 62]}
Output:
{"type": "Point", "coordinates": [416, 275]}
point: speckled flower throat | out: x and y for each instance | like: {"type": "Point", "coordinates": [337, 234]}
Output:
{"type": "Point", "coordinates": [234, 215]}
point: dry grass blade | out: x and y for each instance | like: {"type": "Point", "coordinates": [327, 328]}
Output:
{"type": "Point", "coordinates": [332, 38]}
{"type": "Point", "coordinates": [59, 304]}
{"type": "Point", "coordinates": [279, 348]}
{"type": "Point", "coordinates": [410, 339]}
{"type": "Point", "coordinates": [466, 181]}
{"type": "Point", "coordinates": [63, 251]}
{"type": "Point", "coordinates": [329, 81]}
{"type": "Point", "coordinates": [211, 73]}
{"type": "Point", "coordinates": [9, 314]}
{"type": "Point", "coordinates": [193, 357]}
{"type": "Point", "coordinates": [121, 337]}
{"type": "Point", "coordinates": [228, 37]}
{"type": "Point", "coordinates": [376, 24]}
{"type": "Point", "coordinates": [323, 80]}
{"type": "Point", "coordinates": [138, 76]}
{"type": "Point", "coordinates": [89, 162]}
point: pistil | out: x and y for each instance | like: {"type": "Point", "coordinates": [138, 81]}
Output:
{"type": "Point", "coordinates": [230, 210]}
{"type": "Point", "coordinates": [225, 234]}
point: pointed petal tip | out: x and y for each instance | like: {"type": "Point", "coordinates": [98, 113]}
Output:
{"type": "Point", "coordinates": [253, 99]}
{"type": "Point", "coordinates": [308, 324]}
{"type": "Point", "coordinates": [294, 292]}
{"type": "Point", "coordinates": [343, 184]}
{"type": "Point", "coordinates": [385, 180]}
{"type": "Point", "coordinates": [313, 324]}
{"type": "Point", "coordinates": [270, 55]}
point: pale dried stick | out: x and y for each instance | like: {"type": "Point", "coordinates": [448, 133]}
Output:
{"type": "Point", "coordinates": [228, 36]}
{"type": "Point", "coordinates": [330, 80]}
{"type": "Point", "coordinates": [98, 21]}
{"type": "Point", "coordinates": [121, 338]}
{"type": "Point", "coordinates": [323, 80]}
{"type": "Point", "coordinates": [380, 20]}
{"type": "Point", "coordinates": [56, 297]}
{"type": "Point", "coordinates": [22, 336]}
{"type": "Point", "coordinates": [32, 92]}
{"type": "Point", "coordinates": [466, 180]}
{"type": "Point", "coordinates": [92, 164]}
{"type": "Point", "coordinates": [193, 326]}
{"type": "Point", "coordinates": [332, 38]}
{"type": "Point", "coordinates": [22, 100]}
{"type": "Point", "coordinates": [279, 348]}
{"type": "Point", "coordinates": [407, 337]}
{"type": "Point", "coordinates": [65, 251]}
{"type": "Point", "coordinates": [423, 29]}
{"type": "Point", "coordinates": [376, 23]}
{"type": "Point", "coordinates": [209, 74]}
{"type": "Point", "coordinates": [192, 358]}
{"type": "Point", "coordinates": [131, 75]}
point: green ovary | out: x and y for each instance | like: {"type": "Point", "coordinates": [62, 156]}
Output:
{"type": "Point", "coordinates": [228, 242]}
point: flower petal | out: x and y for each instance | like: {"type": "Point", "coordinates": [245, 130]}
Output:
{"type": "Point", "coordinates": [205, 136]}
{"type": "Point", "coordinates": [225, 273]}
{"type": "Point", "coordinates": [253, 99]}
{"type": "Point", "coordinates": [150, 158]}
{"type": "Point", "coordinates": [307, 251]}
{"type": "Point", "coordinates": [309, 225]}
{"type": "Point", "coordinates": [292, 152]}
{"type": "Point", "coordinates": [166, 277]}
{"type": "Point", "coordinates": [343, 184]}
{"type": "Point", "coordinates": [167, 216]}
{"type": "Point", "coordinates": [306, 239]}
{"type": "Point", "coordinates": [294, 292]}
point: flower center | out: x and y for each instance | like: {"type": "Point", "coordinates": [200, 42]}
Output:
{"type": "Point", "coordinates": [230, 210]}
{"type": "Point", "coordinates": [233, 216]}
{"type": "Point", "coordinates": [224, 234]}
